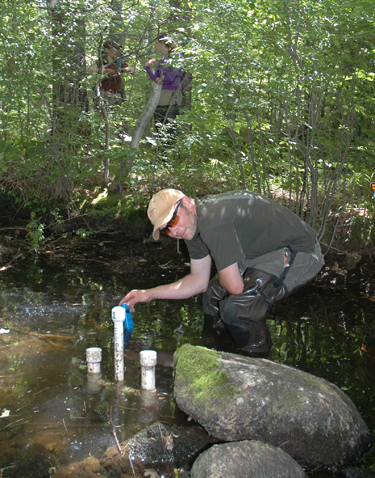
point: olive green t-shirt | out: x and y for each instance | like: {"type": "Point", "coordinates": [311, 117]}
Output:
{"type": "Point", "coordinates": [241, 225]}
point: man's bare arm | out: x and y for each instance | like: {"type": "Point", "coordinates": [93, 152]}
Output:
{"type": "Point", "coordinates": [194, 283]}
{"type": "Point", "coordinates": [231, 279]}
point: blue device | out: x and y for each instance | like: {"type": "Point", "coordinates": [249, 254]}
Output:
{"type": "Point", "coordinates": [128, 324]}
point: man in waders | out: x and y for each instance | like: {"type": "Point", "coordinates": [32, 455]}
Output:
{"type": "Point", "coordinates": [262, 251]}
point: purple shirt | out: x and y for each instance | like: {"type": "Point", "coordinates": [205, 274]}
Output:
{"type": "Point", "coordinates": [172, 78]}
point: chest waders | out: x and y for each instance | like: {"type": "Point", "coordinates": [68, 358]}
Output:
{"type": "Point", "coordinates": [244, 315]}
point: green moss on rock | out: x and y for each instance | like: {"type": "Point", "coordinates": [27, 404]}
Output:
{"type": "Point", "coordinates": [199, 368]}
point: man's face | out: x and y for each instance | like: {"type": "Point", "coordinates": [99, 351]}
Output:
{"type": "Point", "coordinates": [186, 227]}
{"type": "Point", "coordinates": [110, 52]}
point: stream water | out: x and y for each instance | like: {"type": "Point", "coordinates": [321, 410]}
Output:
{"type": "Point", "coordinates": [49, 315]}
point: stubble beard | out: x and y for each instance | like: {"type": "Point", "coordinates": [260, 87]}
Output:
{"type": "Point", "coordinates": [193, 219]}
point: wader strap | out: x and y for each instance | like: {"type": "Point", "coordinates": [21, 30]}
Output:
{"type": "Point", "coordinates": [255, 291]}
{"type": "Point", "coordinates": [279, 281]}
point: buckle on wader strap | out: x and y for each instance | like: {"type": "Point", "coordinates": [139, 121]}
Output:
{"type": "Point", "coordinates": [279, 281]}
{"type": "Point", "coordinates": [271, 306]}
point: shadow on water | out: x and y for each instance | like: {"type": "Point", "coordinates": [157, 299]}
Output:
{"type": "Point", "coordinates": [52, 414]}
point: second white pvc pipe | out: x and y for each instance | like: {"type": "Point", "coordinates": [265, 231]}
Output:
{"type": "Point", "coordinates": [148, 360]}
{"type": "Point", "coordinates": [93, 359]}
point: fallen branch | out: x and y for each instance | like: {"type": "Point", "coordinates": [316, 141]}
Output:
{"type": "Point", "coordinates": [9, 264]}
{"type": "Point", "coordinates": [113, 429]}
{"type": "Point", "coordinates": [50, 336]}
{"type": "Point", "coordinates": [16, 422]}
{"type": "Point", "coordinates": [65, 426]}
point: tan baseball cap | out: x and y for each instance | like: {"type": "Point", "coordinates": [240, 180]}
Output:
{"type": "Point", "coordinates": [161, 207]}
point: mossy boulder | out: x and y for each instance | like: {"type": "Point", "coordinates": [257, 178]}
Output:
{"type": "Point", "coordinates": [241, 398]}
{"type": "Point", "coordinates": [199, 369]}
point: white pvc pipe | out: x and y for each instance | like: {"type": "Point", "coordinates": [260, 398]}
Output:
{"type": "Point", "coordinates": [94, 382]}
{"type": "Point", "coordinates": [93, 359]}
{"type": "Point", "coordinates": [148, 407]}
{"type": "Point", "coordinates": [118, 317]}
{"type": "Point", "coordinates": [148, 361]}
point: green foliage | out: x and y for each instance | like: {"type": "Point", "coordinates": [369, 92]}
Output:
{"type": "Point", "coordinates": [83, 233]}
{"type": "Point", "coordinates": [35, 231]}
{"type": "Point", "coordinates": [282, 102]}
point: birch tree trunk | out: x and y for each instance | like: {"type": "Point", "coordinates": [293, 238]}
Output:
{"type": "Point", "coordinates": [141, 124]}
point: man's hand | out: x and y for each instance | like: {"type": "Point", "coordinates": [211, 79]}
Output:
{"type": "Point", "coordinates": [92, 69]}
{"type": "Point", "coordinates": [151, 62]}
{"type": "Point", "coordinates": [129, 69]}
{"type": "Point", "coordinates": [135, 296]}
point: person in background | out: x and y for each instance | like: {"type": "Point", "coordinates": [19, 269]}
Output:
{"type": "Point", "coordinates": [171, 95]}
{"type": "Point", "coordinates": [111, 85]}
{"type": "Point", "coordinates": [263, 253]}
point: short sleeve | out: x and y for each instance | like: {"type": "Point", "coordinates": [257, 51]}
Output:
{"type": "Point", "coordinates": [197, 249]}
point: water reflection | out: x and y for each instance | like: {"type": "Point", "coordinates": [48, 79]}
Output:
{"type": "Point", "coordinates": [52, 409]}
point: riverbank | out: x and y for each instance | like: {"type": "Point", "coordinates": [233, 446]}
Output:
{"type": "Point", "coordinates": [129, 249]}
{"type": "Point", "coordinates": [114, 232]}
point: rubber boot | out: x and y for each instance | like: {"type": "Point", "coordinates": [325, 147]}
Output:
{"type": "Point", "coordinates": [260, 341]}
{"type": "Point", "coordinates": [250, 335]}
{"type": "Point", "coordinates": [237, 329]}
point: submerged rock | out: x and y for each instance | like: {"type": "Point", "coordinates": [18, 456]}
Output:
{"type": "Point", "coordinates": [241, 398]}
{"type": "Point", "coordinates": [355, 473]}
{"type": "Point", "coordinates": [352, 259]}
{"type": "Point", "coordinates": [87, 468]}
{"type": "Point", "coordinates": [160, 443]}
{"type": "Point", "coordinates": [33, 462]}
{"type": "Point", "coordinates": [246, 459]}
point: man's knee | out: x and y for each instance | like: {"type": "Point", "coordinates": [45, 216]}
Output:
{"type": "Point", "coordinates": [211, 298]}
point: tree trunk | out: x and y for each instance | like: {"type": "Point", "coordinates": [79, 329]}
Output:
{"type": "Point", "coordinates": [141, 124]}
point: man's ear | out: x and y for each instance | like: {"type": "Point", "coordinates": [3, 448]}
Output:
{"type": "Point", "coordinates": [188, 203]}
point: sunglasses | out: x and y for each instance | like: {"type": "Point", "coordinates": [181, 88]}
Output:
{"type": "Point", "coordinates": [173, 222]}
